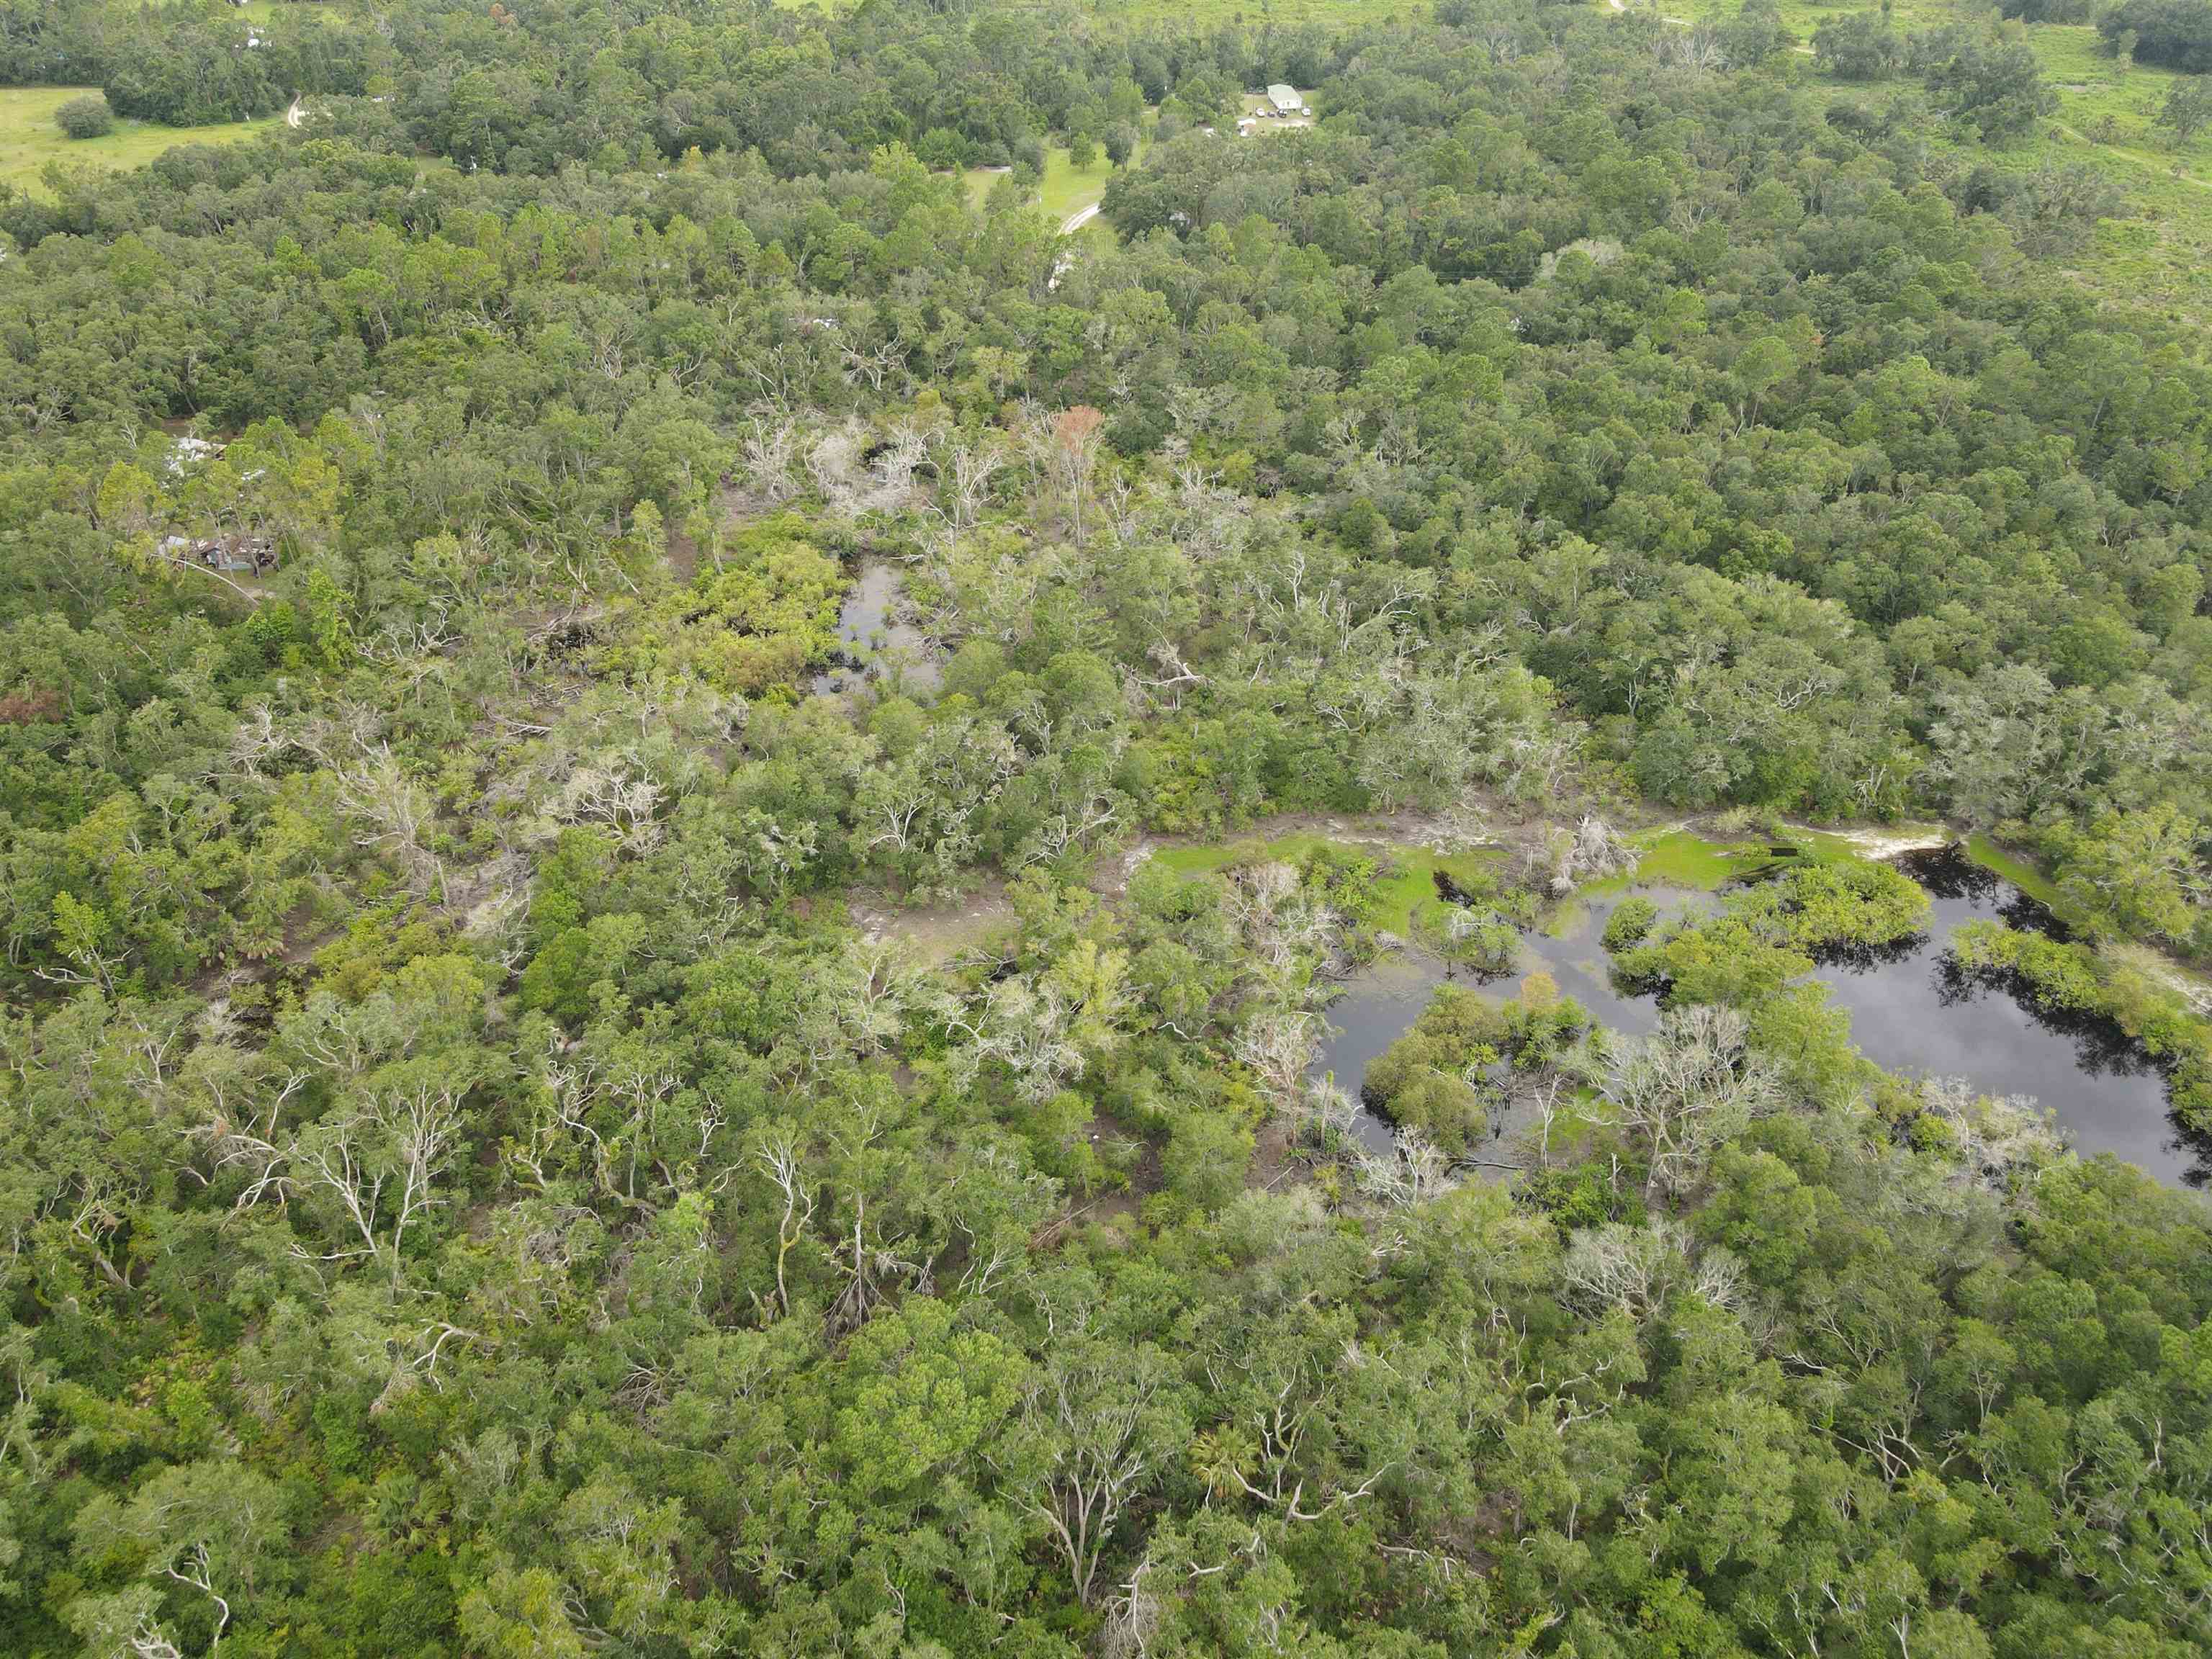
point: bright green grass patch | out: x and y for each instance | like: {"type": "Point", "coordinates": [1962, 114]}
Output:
{"type": "Point", "coordinates": [1803, 16]}
{"type": "Point", "coordinates": [1819, 846]}
{"type": "Point", "coordinates": [29, 139]}
{"type": "Point", "coordinates": [1682, 858]}
{"type": "Point", "coordinates": [1069, 189]}
{"type": "Point", "coordinates": [979, 181]}
{"type": "Point", "coordinates": [2008, 867]}
{"type": "Point", "coordinates": [1405, 899]}
{"type": "Point", "coordinates": [1066, 189]}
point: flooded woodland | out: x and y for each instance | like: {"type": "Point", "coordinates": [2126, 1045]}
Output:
{"type": "Point", "coordinates": [875, 641]}
{"type": "Point", "coordinates": [1913, 1009]}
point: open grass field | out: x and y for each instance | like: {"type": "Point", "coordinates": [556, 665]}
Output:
{"type": "Point", "coordinates": [2159, 252]}
{"type": "Point", "coordinates": [29, 139]}
{"type": "Point", "coordinates": [979, 181]}
{"type": "Point", "coordinates": [1067, 190]}
{"type": "Point", "coordinates": [1682, 858]}
{"type": "Point", "coordinates": [2108, 116]}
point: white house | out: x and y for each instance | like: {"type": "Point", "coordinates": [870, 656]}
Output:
{"type": "Point", "coordinates": [1285, 100]}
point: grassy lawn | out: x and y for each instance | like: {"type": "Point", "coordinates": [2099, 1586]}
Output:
{"type": "Point", "coordinates": [1686, 860]}
{"type": "Point", "coordinates": [29, 139]}
{"type": "Point", "coordinates": [1405, 897]}
{"type": "Point", "coordinates": [1682, 858]}
{"type": "Point", "coordinates": [1067, 190]}
{"type": "Point", "coordinates": [979, 181]}
{"type": "Point", "coordinates": [2108, 116]}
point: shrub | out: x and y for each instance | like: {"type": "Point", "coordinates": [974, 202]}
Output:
{"type": "Point", "coordinates": [942, 149]}
{"type": "Point", "coordinates": [1630, 923]}
{"type": "Point", "coordinates": [1859, 48]}
{"type": "Point", "coordinates": [88, 116]}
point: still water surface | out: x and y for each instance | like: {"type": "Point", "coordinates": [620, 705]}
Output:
{"type": "Point", "coordinates": [1915, 1012]}
{"type": "Point", "coordinates": [1379, 1003]}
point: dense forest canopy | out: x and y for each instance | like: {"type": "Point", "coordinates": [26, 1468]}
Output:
{"type": "Point", "coordinates": [540, 1120]}
{"type": "Point", "coordinates": [2177, 33]}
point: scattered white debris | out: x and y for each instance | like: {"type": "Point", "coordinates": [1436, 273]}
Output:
{"type": "Point", "coordinates": [189, 451]}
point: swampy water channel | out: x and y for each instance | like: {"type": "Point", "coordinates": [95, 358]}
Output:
{"type": "Point", "coordinates": [871, 640]}
{"type": "Point", "coordinates": [1911, 1010]}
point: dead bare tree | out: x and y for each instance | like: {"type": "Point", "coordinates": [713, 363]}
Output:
{"type": "Point", "coordinates": [613, 798]}
{"type": "Point", "coordinates": [833, 462]}
{"type": "Point", "coordinates": [1278, 1046]}
{"type": "Point", "coordinates": [906, 454]}
{"type": "Point", "coordinates": [1687, 1087]}
{"type": "Point", "coordinates": [1414, 1171]}
{"type": "Point", "coordinates": [394, 814]}
{"type": "Point", "coordinates": [1098, 1427]}
{"type": "Point", "coordinates": [771, 450]}
{"type": "Point", "coordinates": [1278, 1431]}
{"type": "Point", "coordinates": [1591, 851]}
{"type": "Point", "coordinates": [963, 471]}
{"type": "Point", "coordinates": [380, 1163]}
{"type": "Point", "coordinates": [873, 363]}
{"type": "Point", "coordinates": [1076, 435]}
{"type": "Point", "coordinates": [246, 1140]}
{"type": "Point", "coordinates": [777, 1155]}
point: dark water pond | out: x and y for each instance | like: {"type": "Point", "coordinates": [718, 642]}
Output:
{"type": "Point", "coordinates": [870, 639]}
{"type": "Point", "coordinates": [1912, 1011]}
{"type": "Point", "coordinates": [1573, 954]}
{"type": "Point", "coordinates": [1378, 1004]}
